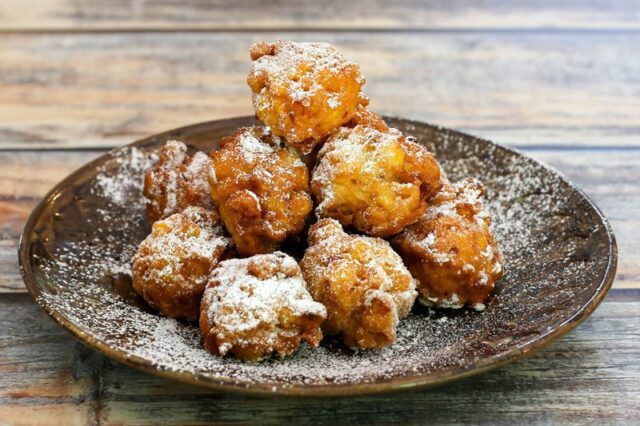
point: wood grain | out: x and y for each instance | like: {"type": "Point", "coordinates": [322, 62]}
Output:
{"type": "Point", "coordinates": [547, 76]}
{"type": "Point", "coordinates": [590, 375]}
{"type": "Point", "coordinates": [525, 89]}
{"type": "Point", "coordinates": [94, 15]}
{"type": "Point", "coordinates": [43, 379]}
{"type": "Point", "coordinates": [608, 177]}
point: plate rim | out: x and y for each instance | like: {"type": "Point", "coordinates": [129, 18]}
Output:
{"type": "Point", "coordinates": [405, 383]}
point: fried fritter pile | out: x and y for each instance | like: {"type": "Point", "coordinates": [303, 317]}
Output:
{"type": "Point", "coordinates": [303, 91]}
{"type": "Point", "coordinates": [177, 182]}
{"type": "Point", "coordinates": [172, 265]}
{"type": "Point", "coordinates": [377, 181]}
{"type": "Point", "coordinates": [261, 188]}
{"type": "Point", "coordinates": [451, 250]}
{"type": "Point", "coordinates": [362, 283]}
{"type": "Point", "coordinates": [258, 306]}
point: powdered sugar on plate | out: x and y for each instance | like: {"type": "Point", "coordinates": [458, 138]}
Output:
{"type": "Point", "coordinates": [554, 244]}
{"type": "Point", "coordinates": [125, 185]}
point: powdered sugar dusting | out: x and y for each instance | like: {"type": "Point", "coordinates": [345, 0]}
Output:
{"type": "Point", "coordinates": [267, 295]}
{"type": "Point", "coordinates": [362, 150]}
{"type": "Point", "coordinates": [460, 202]}
{"type": "Point", "coordinates": [253, 148]}
{"type": "Point", "coordinates": [553, 243]}
{"type": "Point", "coordinates": [169, 248]}
{"type": "Point", "coordinates": [177, 181]}
{"type": "Point", "coordinates": [334, 254]}
{"type": "Point", "coordinates": [247, 298]}
{"type": "Point", "coordinates": [199, 162]}
{"type": "Point", "coordinates": [125, 182]}
{"type": "Point", "coordinates": [316, 58]}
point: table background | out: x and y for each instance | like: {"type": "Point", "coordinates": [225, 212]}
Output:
{"type": "Point", "coordinates": [557, 80]}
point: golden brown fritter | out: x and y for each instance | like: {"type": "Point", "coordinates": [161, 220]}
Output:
{"type": "Point", "coordinates": [172, 265]}
{"type": "Point", "coordinates": [364, 117]}
{"type": "Point", "coordinates": [261, 188]}
{"type": "Point", "coordinates": [177, 182]}
{"type": "Point", "coordinates": [451, 250]}
{"type": "Point", "coordinates": [303, 91]}
{"type": "Point", "coordinates": [258, 306]}
{"type": "Point", "coordinates": [378, 182]}
{"type": "Point", "coordinates": [361, 281]}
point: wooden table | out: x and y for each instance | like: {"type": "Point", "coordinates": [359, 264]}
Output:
{"type": "Point", "coordinates": [558, 80]}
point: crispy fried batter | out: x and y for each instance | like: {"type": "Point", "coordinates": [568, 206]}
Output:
{"type": "Point", "coordinates": [257, 306]}
{"type": "Point", "coordinates": [261, 188]}
{"type": "Point", "coordinates": [176, 182]}
{"type": "Point", "coordinates": [172, 265]}
{"type": "Point", "coordinates": [304, 91]}
{"type": "Point", "coordinates": [364, 117]}
{"type": "Point", "coordinates": [361, 281]}
{"type": "Point", "coordinates": [451, 250]}
{"type": "Point", "coordinates": [379, 182]}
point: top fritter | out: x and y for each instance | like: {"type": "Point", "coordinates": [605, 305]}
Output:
{"type": "Point", "coordinates": [303, 91]}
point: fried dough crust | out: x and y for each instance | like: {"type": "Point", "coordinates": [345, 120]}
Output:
{"type": "Point", "coordinates": [255, 307]}
{"type": "Point", "coordinates": [303, 91]}
{"type": "Point", "coordinates": [378, 182]}
{"type": "Point", "coordinates": [361, 281]}
{"type": "Point", "coordinates": [261, 188]}
{"type": "Point", "coordinates": [176, 182]}
{"type": "Point", "coordinates": [451, 250]}
{"type": "Point", "coordinates": [172, 265]}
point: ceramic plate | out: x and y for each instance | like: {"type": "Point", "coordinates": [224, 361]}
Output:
{"type": "Point", "coordinates": [560, 260]}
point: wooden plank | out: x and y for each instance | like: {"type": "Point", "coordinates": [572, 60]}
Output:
{"type": "Point", "coordinates": [609, 177]}
{"type": "Point", "coordinates": [29, 175]}
{"type": "Point", "coordinates": [45, 376]}
{"type": "Point", "coordinates": [525, 89]}
{"type": "Point", "coordinates": [308, 14]}
{"type": "Point", "coordinates": [591, 375]}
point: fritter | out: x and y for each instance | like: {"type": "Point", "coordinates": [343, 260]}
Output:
{"type": "Point", "coordinates": [303, 91]}
{"type": "Point", "coordinates": [378, 182]}
{"type": "Point", "coordinates": [177, 182]}
{"type": "Point", "coordinates": [261, 188]}
{"type": "Point", "coordinates": [361, 281]}
{"type": "Point", "coordinates": [364, 117]}
{"type": "Point", "coordinates": [451, 250]}
{"type": "Point", "coordinates": [258, 306]}
{"type": "Point", "coordinates": [172, 265]}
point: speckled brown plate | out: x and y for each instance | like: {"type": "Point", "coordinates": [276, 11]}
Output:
{"type": "Point", "coordinates": [560, 261]}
